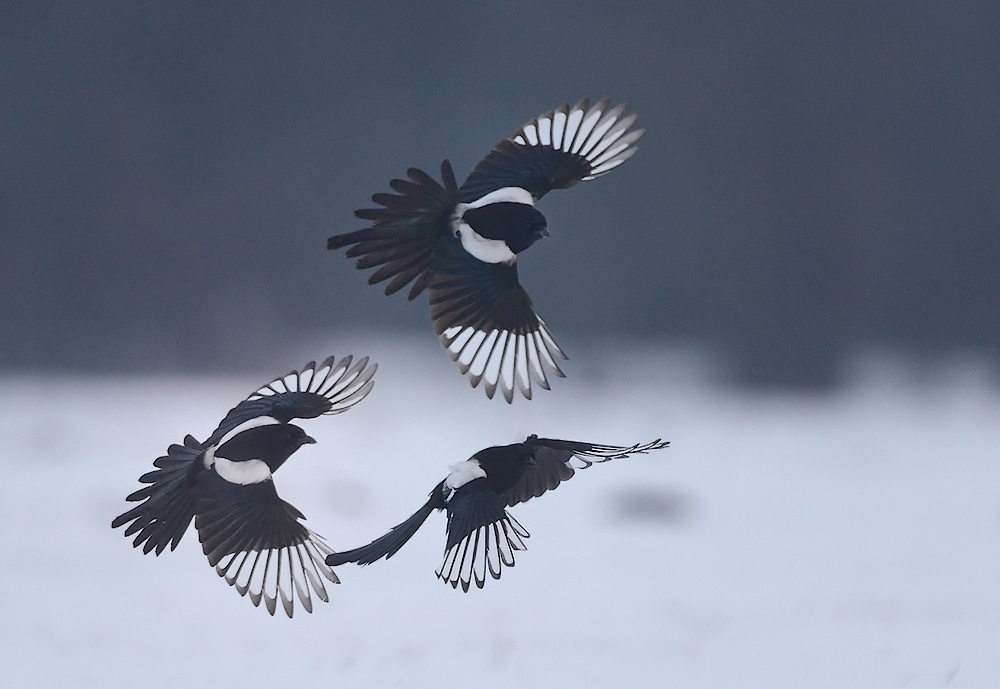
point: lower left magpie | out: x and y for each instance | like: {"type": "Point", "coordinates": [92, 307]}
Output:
{"type": "Point", "coordinates": [253, 538]}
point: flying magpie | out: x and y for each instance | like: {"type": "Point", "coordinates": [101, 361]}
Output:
{"type": "Point", "coordinates": [481, 535]}
{"type": "Point", "coordinates": [252, 537]}
{"type": "Point", "coordinates": [461, 243]}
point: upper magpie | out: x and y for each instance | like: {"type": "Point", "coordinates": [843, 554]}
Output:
{"type": "Point", "coordinates": [461, 243]}
{"type": "Point", "coordinates": [252, 537]}
{"type": "Point", "coordinates": [481, 534]}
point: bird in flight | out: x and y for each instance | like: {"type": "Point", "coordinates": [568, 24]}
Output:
{"type": "Point", "coordinates": [461, 244]}
{"type": "Point", "coordinates": [481, 535]}
{"type": "Point", "coordinates": [253, 538]}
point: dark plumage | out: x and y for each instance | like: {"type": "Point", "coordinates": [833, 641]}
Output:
{"type": "Point", "coordinates": [461, 243]}
{"type": "Point", "coordinates": [251, 536]}
{"type": "Point", "coordinates": [481, 535]}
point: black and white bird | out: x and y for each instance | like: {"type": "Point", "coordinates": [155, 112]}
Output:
{"type": "Point", "coordinates": [461, 243]}
{"type": "Point", "coordinates": [253, 538]}
{"type": "Point", "coordinates": [481, 534]}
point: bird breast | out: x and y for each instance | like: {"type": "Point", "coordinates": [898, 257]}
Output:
{"type": "Point", "coordinates": [243, 473]}
{"type": "Point", "coordinates": [486, 250]}
{"type": "Point", "coordinates": [489, 243]}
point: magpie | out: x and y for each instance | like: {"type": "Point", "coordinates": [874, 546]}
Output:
{"type": "Point", "coordinates": [461, 243]}
{"type": "Point", "coordinates": [481, 534]}
{"type": "Point", "coordinates": [253, 538]}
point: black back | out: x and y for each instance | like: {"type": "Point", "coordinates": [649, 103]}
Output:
{"type": "Point", "coordinates": [518, 224]}
{"type": "Point", "coordinates": [505, 465]}
{"type": "Point", "coordinates": [273, 444]}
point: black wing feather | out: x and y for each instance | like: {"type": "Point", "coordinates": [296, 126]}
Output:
{"type": "Point", "coordinates": [556, 150]}
{"type": "Point", "coordinates": [487, 296]}
{"type": "Point", "coordinates": [474, 505]}
{"type": "Point", "coordinates": [408, 229]}
{"type": "Point", "coordinates": [553, 464]}
{"type": "Point", "coordinates": [256, 541]}
{"type": "Point", "coordinates": [487, 322]}
{"type": "Point", "coordinates": [254, 512]}
{"type": "Point", "coordinates": [168, 503]}
{"type": "Point", "coordinates": [331, 387]}
{"type": "Point", "coordinates": [482, 537]}
{"type": "Point", "coordinates": [535, 168]}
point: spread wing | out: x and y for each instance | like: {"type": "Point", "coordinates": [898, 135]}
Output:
{"type": "Point", "coordinates": [406, 231]}
{"type": "Point", "coordinates": [482, 537]}
{"type": "Point", "coordinates": [330, 388]}
{"type": "Point", "coordinates": [554, 463]}
{"type": "Point", "coordinates": [556, 150]}
{"type": "Point", "coordinates": [488, 324]}
{"type": "Point", "coordinates": [255, 540]}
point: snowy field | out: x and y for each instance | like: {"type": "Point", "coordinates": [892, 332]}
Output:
{"type": "Point", "coordinates": [844, 540]}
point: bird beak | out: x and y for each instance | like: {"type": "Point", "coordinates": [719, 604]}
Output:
{"type": "Point", "coordinates": [545, 232]}
{"type": "Point", "coordinates": [308, 440]}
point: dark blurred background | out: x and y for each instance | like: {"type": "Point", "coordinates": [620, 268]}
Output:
{"type": "Point", "coordinates": [815, 178]}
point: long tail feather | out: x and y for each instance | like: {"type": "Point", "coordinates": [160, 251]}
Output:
{"type": "Point", "coordinates": [168, 503]}
{"type": "Point", "coordinates": [387, 545]}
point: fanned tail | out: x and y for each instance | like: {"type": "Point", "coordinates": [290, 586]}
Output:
{"type": "Point", "coordinates": [168, 503]}
{"type": "Point", "coordinates": [402, 241]}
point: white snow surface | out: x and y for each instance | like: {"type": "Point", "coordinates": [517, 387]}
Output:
{"type": "Point", "coordinates": [849, 539]}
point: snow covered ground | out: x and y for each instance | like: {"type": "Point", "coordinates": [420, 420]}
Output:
{"type": "Point", "coordinates": [844, 540]}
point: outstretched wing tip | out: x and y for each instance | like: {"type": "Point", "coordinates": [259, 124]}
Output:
{"type": "Point", "coordinates": [486, 322]}
{"type": "Point", "coordinates": [282, 572]}
{"type": "Point", "coordinates": [486, 547]}
{"type": "Point", "coordinates": [336, 381]}
{"type": "Point", "coordinates": [503, 360]}
{"type": "Point", "coordinates": [557, 149]}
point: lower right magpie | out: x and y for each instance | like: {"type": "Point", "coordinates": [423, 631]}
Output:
{"type": "Point", "coordinates": [481, 535]}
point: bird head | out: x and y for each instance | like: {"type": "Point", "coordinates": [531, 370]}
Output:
{"type": "Point", "coordinates": [282, 442]}
{"type": "Point", "coordinates": [293, 436]}
{"type": "Point", "coordinates": [529, 227]}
